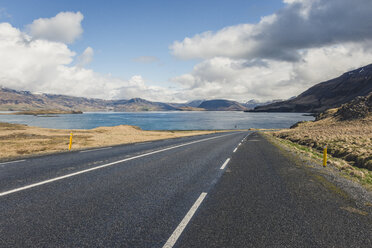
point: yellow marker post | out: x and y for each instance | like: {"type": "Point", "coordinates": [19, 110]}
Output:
{"type": "Point", "coordinates": [325, 156]}
{"type": "Point", "coordinates": [70, 145]}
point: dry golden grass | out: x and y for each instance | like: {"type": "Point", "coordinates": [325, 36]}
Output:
{"type": "Point", "coordinates": [350, 140]}
{"type": "Point", "coordinates": [21, 140]}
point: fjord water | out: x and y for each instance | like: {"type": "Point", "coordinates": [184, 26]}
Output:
{"type": "Point", "coordinates": [176, 120]}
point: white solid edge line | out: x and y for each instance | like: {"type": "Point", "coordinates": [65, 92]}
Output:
{"type": "Point", "coordinates": [98, 149]}
{"type": "Point", "coordinates": [103, 166]}
{"type": "Point", "coordinates": [176, 234]}
{"type": "Point", "coordinates": [235, 149]}
{"type": "Point", "coordinates": [224, 164]}
{"type": "Point", "coordinates": [10, 162]}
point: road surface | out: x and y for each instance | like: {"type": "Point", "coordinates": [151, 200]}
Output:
{"type": "Point", "coordinates": [203, 191]}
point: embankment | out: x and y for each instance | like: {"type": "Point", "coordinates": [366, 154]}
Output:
{"type": "Point", "coordinates": [346, 131]}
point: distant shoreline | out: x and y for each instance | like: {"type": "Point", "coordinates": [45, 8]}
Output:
{"type": "Point", "coordinates": [160, 120]}
{"type": "Point", "coordinates": [43, 112]}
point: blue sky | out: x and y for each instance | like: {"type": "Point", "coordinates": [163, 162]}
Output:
{"type": "Point", "coordinates": [238, 50]}
{"type": "Point", "coordinates": [120, 31]}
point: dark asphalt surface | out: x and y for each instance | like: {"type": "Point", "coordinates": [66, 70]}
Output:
{"type": "Point", "coordinates": [14, 175]}
{"type": "Point", "coordinates": [261, 199]}
{"type": "Point", "coordinates": [265, 199]}
{"type": "Point", "coordinates": [137, 203]}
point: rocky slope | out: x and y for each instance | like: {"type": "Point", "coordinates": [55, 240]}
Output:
{"type": "Point", "coordinates": [347, 131]}
{"type": "Point", "coordinates": [358, 108]}
{"type": "Point", "coordinates": [326, 95]}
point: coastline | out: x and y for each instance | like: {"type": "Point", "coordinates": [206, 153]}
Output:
{"type": "Point", "coordinates": [43, 112]}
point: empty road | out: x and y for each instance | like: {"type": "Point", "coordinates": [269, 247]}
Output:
{"type": "Point", "coordinates": [220, 190]}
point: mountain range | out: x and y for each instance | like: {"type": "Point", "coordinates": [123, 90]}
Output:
{"type": "Point", "coordinates": [13, 100]}
{"type": "Point", "coordinates": [330, 94]}
{"type": "Point", "coordinates": [320, 97]}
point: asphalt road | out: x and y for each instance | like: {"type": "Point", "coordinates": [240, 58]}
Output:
{"type": "Point", "coordinates": [204, 191]}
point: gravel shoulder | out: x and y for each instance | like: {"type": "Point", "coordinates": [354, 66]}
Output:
{"type": "Point", "coordinates": [342, 179]}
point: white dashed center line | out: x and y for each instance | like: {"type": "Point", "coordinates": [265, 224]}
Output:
{"type": "Point", "coordinates": [12, 162]}
{"type": "Point", "coordinates": [177, 233]}
{"type": "Point", "coordinates": [106, 165]}
{"type": "Point", "coordinates": [224, 164]}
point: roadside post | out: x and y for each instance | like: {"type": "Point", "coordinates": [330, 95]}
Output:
{"type": "Point", "coordinates": [325, 156]}
{"type": "Point", "coordinates": [70, 145]}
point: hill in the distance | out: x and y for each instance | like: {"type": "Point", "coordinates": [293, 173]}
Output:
{"type": "Point", "coordinates": [251, 104]}
{"type": "Point", "coordinates": [326, 95]}
{"type": "Point", "coordinates": [139, 104]}
{"type": "Point", "coordinates": [13, 100]}
{"type": "Point", "coordinates": [222, 105]}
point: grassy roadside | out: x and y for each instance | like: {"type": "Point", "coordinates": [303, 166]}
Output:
{"type": "Point", "coordinates": [361, 175]}
{"type": "Point", "coordinates": [350, 140]}
{"type": "Point", "coordinates": [19, 141]}
{"type": "Point", "coordinates": [346, 131]}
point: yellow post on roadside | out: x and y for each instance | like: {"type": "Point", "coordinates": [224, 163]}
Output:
{"type": "Point", "coordinates": [325, 156]}
{"type": "Point", "coordinates": [70, 145]}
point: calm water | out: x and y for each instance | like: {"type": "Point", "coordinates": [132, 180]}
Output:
{"type": "Point", "coordinates": [163, 120]}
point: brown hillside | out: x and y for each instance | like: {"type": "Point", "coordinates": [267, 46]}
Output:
{"type": "Point", "coordinates": [327, 95]}
{"type": "Point", "coordinates": [347, 131]}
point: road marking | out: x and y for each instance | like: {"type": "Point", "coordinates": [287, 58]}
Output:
{"type": "Point", "coordinates": [141, 143]}
{"type": "Point", "coordinates": [105, 165]}
{"type": "Point", "coordinates": [240, 144]}
{"type": "Point", "coordinates": [176, 234]}
{"type": "Point", "coordinates": [11, 162]}
{"type": "Point", "coordinates": [235, 149]}
{"type": "Point", "coordinates": [98, 149]}
{"type": "Point", "coordinates": [224, 164]}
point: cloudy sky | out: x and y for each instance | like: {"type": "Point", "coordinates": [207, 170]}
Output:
{"type": "Point", "coordinates": [181, 50]}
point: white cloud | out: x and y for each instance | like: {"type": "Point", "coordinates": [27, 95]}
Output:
{"type": "Point", "coordinates": [301, 24]}
{"type": "Point", "coordinates": [86, 57]}
{"type": "Point", "coordinates": [240, 79]}
{"type": "Point", "coordinates": [136, 87]}
{"type": "Point", "coordinates": [64, 27]}
{"type": "Point", "coordinates": [228, 42]}
{"type": "Point", "coordinates": [304, 43]}
{"type": "Point", "coordinates": [41, 65]}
